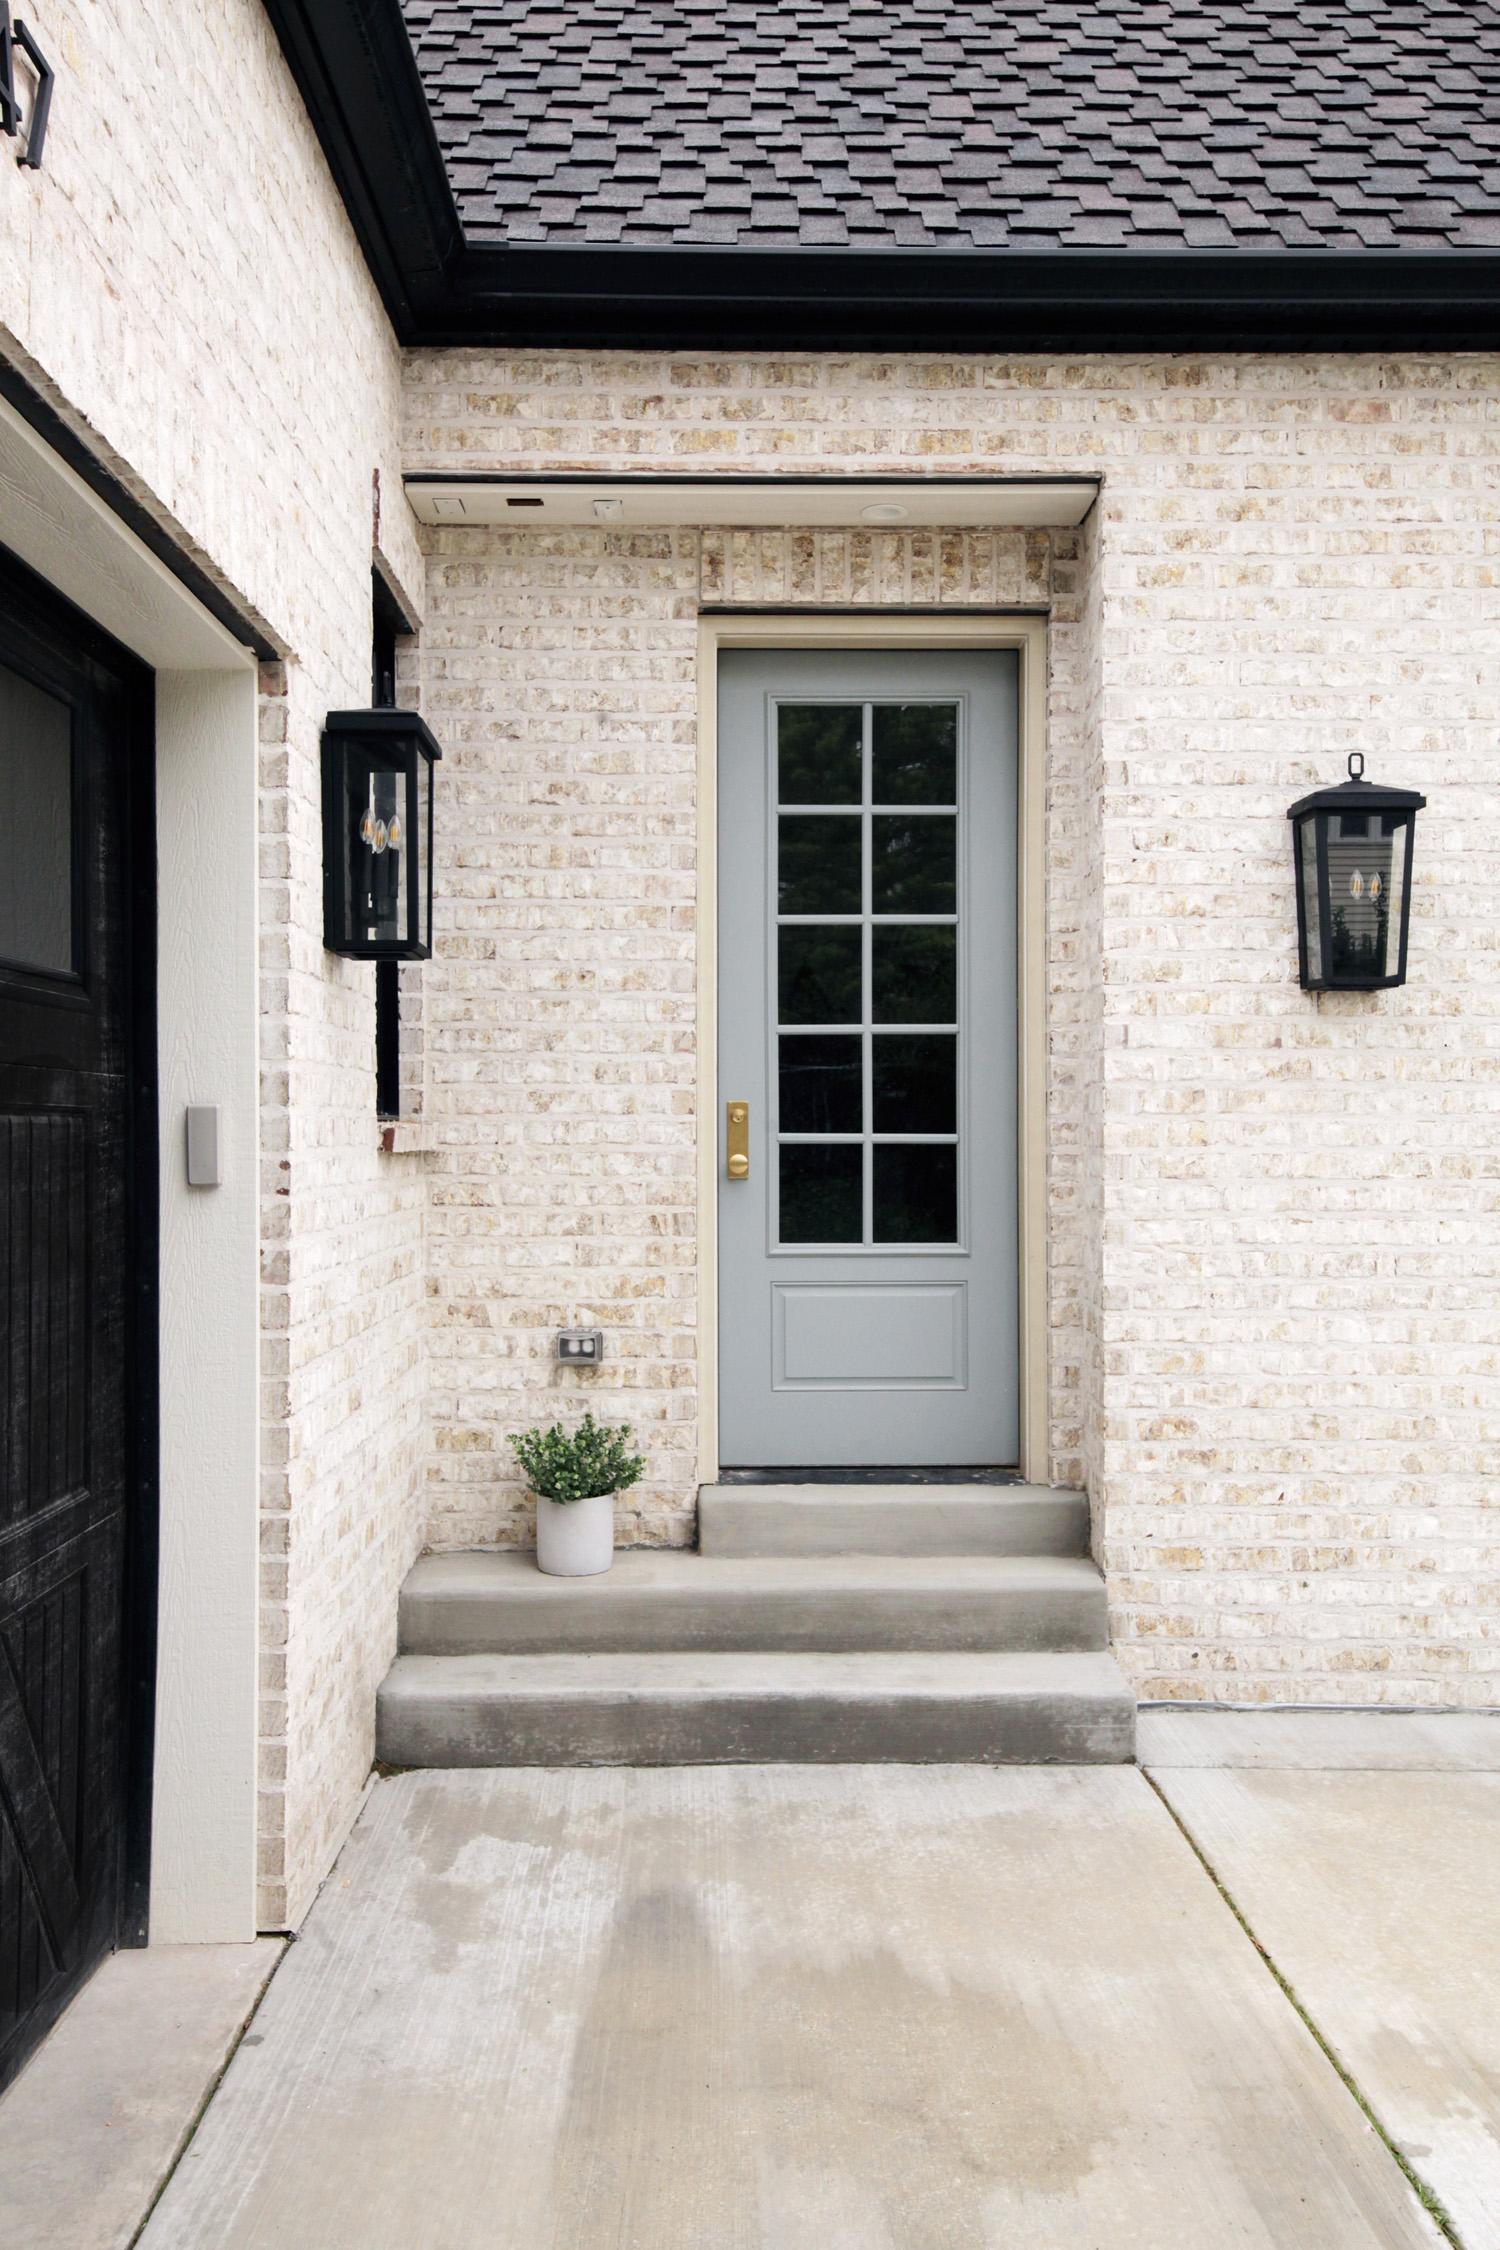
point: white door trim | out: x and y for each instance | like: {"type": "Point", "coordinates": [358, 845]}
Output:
{"type": "Point", "coordinates": [203, 1817]}
{"type": "Point", "coordinates": [1028, 636]}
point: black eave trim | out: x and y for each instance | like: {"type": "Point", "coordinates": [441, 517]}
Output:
{"type": "Point", "coordinates": [357, 76]}
{"type": "Point", "coordinates": [1006, 301]}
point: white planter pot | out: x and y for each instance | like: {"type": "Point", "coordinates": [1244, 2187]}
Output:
{"type": "Point", "coordinates": [575, 1538]}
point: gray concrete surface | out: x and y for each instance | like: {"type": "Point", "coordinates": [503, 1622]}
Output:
{"type": "Point", "coordinates": [671, 1599]}
{"type": "Point", "coordinates": [1400, 1741]}
{"type": "Point", "coordinates": [1376, 1894]}
{"type": "Point", "coordinates": [731, 1709]}
{"type": "Point", "coordinates": [94, 2124]}
{"type": "Point", "coordinates": [891, 1519]}
{"type": "Point", "coordinates": [779, 2009]}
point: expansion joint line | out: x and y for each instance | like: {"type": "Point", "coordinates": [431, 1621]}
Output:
{"type": "Point", "coordinates": [1425, 2196]}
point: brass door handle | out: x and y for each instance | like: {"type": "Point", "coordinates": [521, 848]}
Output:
{"type": "Point", "coordinates": [738, 1115]}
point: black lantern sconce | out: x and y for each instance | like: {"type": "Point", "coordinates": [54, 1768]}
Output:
{"type": "Point", "coordinates": [377, 835]}
{"type": "Point", "coordinates": [1352, 847]}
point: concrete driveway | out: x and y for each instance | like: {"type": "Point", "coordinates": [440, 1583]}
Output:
{"type": "Point", "coordinates": [833, 2008]}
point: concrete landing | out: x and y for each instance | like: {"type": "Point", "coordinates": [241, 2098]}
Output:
{"type": "Point", "coordinates": [1375, 1893]}
{"type": "Point", "coordinates": [779, 2009]}
{"type": "Point", "coordinates": [664, 1599]}
{"type": "Point", "coordinates": [95, 2122]}
{"type": "Point", "coordinates": [677, 1710]}
{"type": "Point", "coordinates": [891, 1519]}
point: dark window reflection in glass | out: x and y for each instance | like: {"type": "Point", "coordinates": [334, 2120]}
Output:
{"type": "Point", "coordinates": [915, 753]}
{"type": "Point", "coordinates": [817, 864]}
{"type": "Point", "coordinates": [1360, 892]}
{"type": "Point", "coordinates": [36, 821]}
{"type": "Point", "coordinates": [915, 974]}
{"type": "Point", "coordinates": [915, 1083]}
{"type": "Point", "coordinates": [822, 1193]}
{"type": "Point", "coordinates": [820, 753]}
{"type": "Point", "coordinates": [819, 975]}
{"type": "Point", "coordinates": [916, 1194]}
{"type": "Point", "coordinates": [914, 864]}
{"type": "Point", "coordinates": [822, 1089]}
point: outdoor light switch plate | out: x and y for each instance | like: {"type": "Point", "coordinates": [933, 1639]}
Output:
{"type": "Point", "coordinates": [580, 1347]}
{"type": "Point", "coordinates": [203, 1144]}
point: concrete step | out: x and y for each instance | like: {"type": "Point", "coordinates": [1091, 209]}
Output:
{"type": "Point", "coordinates": [657, 1599]}
{"type": "Point", "coordinates": [735, 1709]}
{"type": "Point", "coordinates": [891, 1519]}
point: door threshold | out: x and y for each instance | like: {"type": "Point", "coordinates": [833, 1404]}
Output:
{"type": "Point", "coordinates": [940, 1474]}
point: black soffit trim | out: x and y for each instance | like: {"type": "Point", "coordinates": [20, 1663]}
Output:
{"type": "Point", "coordinates": [121, 502]}
{"type": "Point", "coordinates": [354, 67]}
{"type": "Point", "coordinates": [357, 76]}
{"type": "Point", "coordinates": [937, 300]}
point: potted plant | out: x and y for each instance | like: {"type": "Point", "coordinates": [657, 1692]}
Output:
{"type": "Point", "coordinates": [575, 1478]}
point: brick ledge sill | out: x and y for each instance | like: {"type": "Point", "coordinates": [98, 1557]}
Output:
{"type": "Point", "coordinates": [411, 1139]}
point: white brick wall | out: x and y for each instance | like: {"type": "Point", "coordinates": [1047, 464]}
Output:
{"type": "Point", "coordinates": [181, 277]}
{"type": "Point", "coordinates": [1272, 1220]}
{"type": "Point", "coordinates": [1272, 1237]}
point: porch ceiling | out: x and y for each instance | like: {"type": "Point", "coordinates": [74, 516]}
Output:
{"type": "Point", "coordinates": [536, 501]}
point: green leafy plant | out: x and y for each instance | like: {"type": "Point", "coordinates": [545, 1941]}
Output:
{"type": "Point", "coordinates": [592, 1460]}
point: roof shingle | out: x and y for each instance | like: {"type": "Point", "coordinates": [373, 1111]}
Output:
{"type": "Point", "coordinates": [1048, 124]}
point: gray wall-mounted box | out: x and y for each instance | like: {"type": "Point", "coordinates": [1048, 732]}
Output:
{"type": "Point", "coordinates": [203, 1144]}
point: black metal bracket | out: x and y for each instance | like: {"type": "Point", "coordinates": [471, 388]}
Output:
{"type": "Point", "coordinates": [13, 35]}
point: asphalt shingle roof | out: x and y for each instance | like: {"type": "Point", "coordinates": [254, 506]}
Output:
{"type": "Point", "coordinates": [1036, 124]}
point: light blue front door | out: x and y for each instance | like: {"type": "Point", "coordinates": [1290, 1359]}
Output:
{"type": "Point", "coordinates": [867, 1022]}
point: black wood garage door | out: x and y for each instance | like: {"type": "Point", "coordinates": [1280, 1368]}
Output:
{"type": "Point", "coordinates": [77, 1252]}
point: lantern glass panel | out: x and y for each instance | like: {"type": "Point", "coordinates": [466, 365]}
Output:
{"type": "Point", "coordinates": [1306, 832]}
{"type": "Point", "coordinates": [421, 860]}
{"type": "Point", "coordinates": [379, 851]}
{"type": "Point", "coordinates": [1366, 866]}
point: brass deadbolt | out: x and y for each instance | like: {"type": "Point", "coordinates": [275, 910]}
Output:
{"type": "Point", "coordinates": [738, 1117]}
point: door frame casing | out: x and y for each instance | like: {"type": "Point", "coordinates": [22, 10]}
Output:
{"type": "Point", "coordinates": [1026, 633]}
{"type": "Point", "coordinates": [204, 1745]}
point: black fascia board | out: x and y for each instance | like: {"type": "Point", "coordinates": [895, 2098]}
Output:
{"type": "Point", "coordinates": [356, 73]}
{"type": "Point", "coordinates": [978, 300]}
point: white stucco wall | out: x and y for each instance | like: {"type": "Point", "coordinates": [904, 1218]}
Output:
{"type": "Point", "coordinates": [1273, 1333]}
{"type": "Point", "coordinates": [180, 278]}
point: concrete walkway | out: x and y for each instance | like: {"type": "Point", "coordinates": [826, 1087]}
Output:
{"type": "Point", "coordinates": [94, 2124]}
{"type": "Point", "coordinates": [1364, 1851]}
{"type": "Point", "coordinates": [780, 2008]}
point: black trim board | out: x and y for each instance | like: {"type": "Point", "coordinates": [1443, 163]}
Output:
{"type": "Point", "coordinates": [55, 432]}
{"type": "Point", "coordinates": [992, 302]}
{"type": "Point", "coordinates": [357, 76]}
{"type": "Point", "coordinates": [354, 67]}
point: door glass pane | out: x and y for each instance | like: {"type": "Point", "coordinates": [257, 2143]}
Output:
{"type": "Point", "coordinates": [915, 747]}
{"type": "Point", "coordinates": [916, 1193]}
{"type": "Point", "coordinates": [915, 974]}
{"type": "Point", "coordinates": [36, 821]}
{"type": "Point", "coordinates": [915, 1083]}
{"type": "Point", "coordinates": [819, 974]}
{"type": "Point", "coordinates": [819, 753]}
{"type": "Point", "coordinates": [817, 864]}
{"type": "Point", "coordinates": [821, 1083]}
{"type": "Point", "coordinates": [914, 863]}
{"type": "Point", "coordinates": [822, 1192]}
